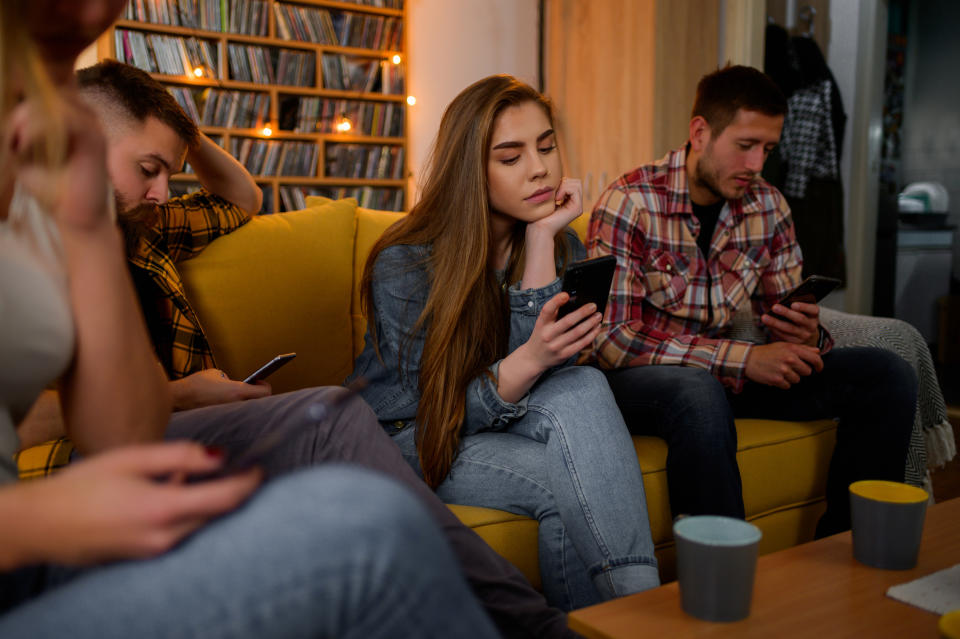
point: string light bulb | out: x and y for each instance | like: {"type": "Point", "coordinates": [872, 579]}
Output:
{"type": "Point", "coordinates": [344, 124]}
{"type": "Point", "coordinates": [267, 131]}
{"type": "Point", "coordinates": [396, 58]}
{"type": "Point", "coordinates": [198, 72]}
{"type": "Point", "coordinates": [411, 100]}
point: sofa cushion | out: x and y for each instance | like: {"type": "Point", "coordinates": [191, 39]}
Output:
{"type": "Point", "coordinates": [782, 465]}
{"type": "Point", "coordinates": [280, 283]}
{"type": "Point", "coordinates": [371, 224]}
{"type": "Point", "coordinates": [514, 537]}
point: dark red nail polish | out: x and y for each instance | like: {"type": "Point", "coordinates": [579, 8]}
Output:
{"type": "Point", "coordinates": [216, 451]}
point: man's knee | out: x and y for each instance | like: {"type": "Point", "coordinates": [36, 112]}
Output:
{"type": "Point", "coordinates": [689, 404]}
{"type": "Point", "coordinates": [875, 368]}
{"type": "Point", "coordinates": [347, 502]}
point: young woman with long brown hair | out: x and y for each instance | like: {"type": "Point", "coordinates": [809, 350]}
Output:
{"type": "Point", "coordinates": [469, 367]}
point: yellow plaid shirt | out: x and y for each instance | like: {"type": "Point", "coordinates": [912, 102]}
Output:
{"type": "Point", "coordinates": [186, 226]}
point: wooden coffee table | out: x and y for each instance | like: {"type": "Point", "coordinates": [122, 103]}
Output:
{"type": "Point", "coordinates": [813, 590]}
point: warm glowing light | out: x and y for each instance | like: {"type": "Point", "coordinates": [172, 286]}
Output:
{"type": "Point", "coordinates": [267, 131]}
{"type": "Point", "coordinates": [411, 100]}
{"type": "Point", "coordinates": [396, 59]}
{"type": "Point", "coordinates": [198, 71]}
{"type": "Point", "coordinates": [344, 125]}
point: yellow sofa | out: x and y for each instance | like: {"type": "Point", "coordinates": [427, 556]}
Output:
{"type": "Point", "coordinates": [290, 282]}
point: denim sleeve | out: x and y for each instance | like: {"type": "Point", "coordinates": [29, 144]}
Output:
{"type": "Point", "coordinates": [485, 409]}
{"type": "Point", "coordinates": [400, 288]}
{"type": "Point", "coordinates": [525, 306]}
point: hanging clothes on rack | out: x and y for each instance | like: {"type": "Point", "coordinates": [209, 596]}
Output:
{"type": "Point", "coordinates": [806, 165]}
{"type": "Point", "coordinates": [814, 128]}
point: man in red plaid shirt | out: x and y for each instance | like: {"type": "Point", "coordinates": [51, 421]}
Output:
{"type": "Point", "coordinates": [700, 238]}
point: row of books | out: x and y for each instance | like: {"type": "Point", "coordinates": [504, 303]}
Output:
{"type": "Point", "coordinates": [361, 74]}
{"type": "Point", "coordinates": [308, 114]}
{"type": "Point", "coordinates": [381, 162]}
{"type": "Point", "coordinates": [384, 4]}
{"type": "Point", "coordinates": [293, 198]}
{"type": "Point", "coordinates": [343, 28]}
{"type": "Point", "coordinates": [236, 16]}
{"type": "Point", "coordinates": [268, 65]}
{"type": "Point", "coordinates": [170, 55]}
{"type": "Point", "coordinates": [222, 108]}
{"type": "Point", "coordinates": [275, 157]}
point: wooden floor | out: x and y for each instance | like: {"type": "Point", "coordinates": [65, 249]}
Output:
{"type": "Point", "coordinates": [946, 481]}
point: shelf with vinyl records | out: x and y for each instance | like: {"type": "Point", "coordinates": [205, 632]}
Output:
{"type": "Point", "coordinates": [309, 94]}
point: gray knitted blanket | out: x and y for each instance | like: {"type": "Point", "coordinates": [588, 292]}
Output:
{"type": "Point", "coordinates": [931, 443]}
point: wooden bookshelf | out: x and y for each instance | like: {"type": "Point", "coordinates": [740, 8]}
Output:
{"type": "Point", "coordinates": [299, 67]}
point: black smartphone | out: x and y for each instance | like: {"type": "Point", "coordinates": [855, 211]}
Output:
{"type": "Point", "coordinates": [588, 281]}
{"type": "Point", "coordinates": [811, 291]}
{"type": "Point", "coordinates": [269, 368]}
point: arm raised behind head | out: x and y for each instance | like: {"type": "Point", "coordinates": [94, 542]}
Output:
{"type": "Point", "coordinates": [221, 174]}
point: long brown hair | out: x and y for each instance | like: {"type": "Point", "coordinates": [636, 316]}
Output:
{"type": "Point", "coordinates": [466, 314]}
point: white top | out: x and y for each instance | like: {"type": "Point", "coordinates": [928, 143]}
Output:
{"type": "Point", "coordinates": [36, 322]}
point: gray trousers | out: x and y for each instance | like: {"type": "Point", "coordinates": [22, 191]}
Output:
{"type": "Point", "coordinates": [351, 434]}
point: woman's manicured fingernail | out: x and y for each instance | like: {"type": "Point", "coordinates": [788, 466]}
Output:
{"type": "Point", "coordinates": [216, 451]}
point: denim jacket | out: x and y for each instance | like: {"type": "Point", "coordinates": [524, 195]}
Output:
{"type": "Point", "coordinates": [401, 285]}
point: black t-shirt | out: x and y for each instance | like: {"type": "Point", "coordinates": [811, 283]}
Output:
{"type": "Point", "coordinates": [708, 216]}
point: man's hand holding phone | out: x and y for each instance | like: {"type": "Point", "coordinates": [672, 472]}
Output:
{"type": "Point", "coordinates": [798, 324]}
{"type": "Point", "coordinates": [210, 387]}
{"type": "Point", "coordinates": [796, 317]}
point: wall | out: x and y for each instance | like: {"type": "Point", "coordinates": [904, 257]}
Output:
{"type": "Point", "coordinates": [856, 55]}
{"type": "Point", "coordinates": [457, 43]}
{"type": "Point", "coordinates": [931, 130]}
{"type": "Point", "coordinates": [622, 86]}
{"type": "Point", "coordinates": [599, 68]}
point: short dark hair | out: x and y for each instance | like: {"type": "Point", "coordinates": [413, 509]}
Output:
{"type": "Point", "coordinates": [139, 95]}
{"type": "Point", "coordinates": [725, 91]}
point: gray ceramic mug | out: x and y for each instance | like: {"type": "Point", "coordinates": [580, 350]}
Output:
{"type": "Point", "coordinates": [887, 522]}
{"type": "Point", "coordinates": [716, 562]}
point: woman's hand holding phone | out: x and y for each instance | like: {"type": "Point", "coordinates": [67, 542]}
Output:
{"type": "Point", "coordinates": [552, 342]}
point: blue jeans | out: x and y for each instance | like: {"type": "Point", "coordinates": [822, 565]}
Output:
{"type": "Point", "coordinates": [330, 552]}
{"type": "Point", "coordinates": [569, 463]}
{"type": "Point", "coordinates": [353, 435]}
{"type": "Point", "coordinates": [871, 391]}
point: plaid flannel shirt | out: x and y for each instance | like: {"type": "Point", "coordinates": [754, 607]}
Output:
{"type": "Point", "coordinates": [186, 225]}
{"type": "Point", "coordinates": [669, 305]}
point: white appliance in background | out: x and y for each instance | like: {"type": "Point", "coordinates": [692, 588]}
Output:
{"type": "Point", "coordinates": [924, 197]}
{"type": "Point", "coordinates": [924, 256]}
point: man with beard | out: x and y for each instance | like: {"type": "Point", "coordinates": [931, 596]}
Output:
{"type": "Point", "coordinates": [699, 238]}
{"type": "Point", "coordinates": [148, 138]}
{"type": "Point", "coordinates": [148, 135]}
